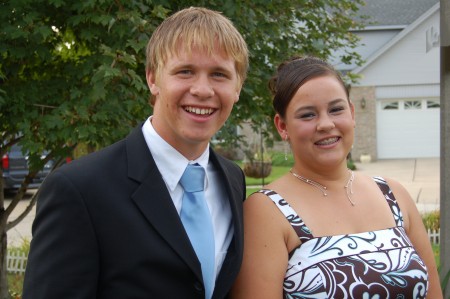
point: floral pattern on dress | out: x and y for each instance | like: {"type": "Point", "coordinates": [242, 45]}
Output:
{"type": "Point", "coordinates": [375, 264]}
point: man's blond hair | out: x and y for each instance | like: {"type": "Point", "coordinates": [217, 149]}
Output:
{"type": "Point", "coordinates": [197, 27]}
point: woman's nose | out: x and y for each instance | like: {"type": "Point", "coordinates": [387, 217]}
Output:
{"type": "Point", "coordinates": [325, 123]}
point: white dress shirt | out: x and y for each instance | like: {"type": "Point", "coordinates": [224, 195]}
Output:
{"type": "Point", "coordinates": [171, 164]}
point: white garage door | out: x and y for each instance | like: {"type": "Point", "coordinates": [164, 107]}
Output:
{"type": "Point", "coordinates": [408, 128]}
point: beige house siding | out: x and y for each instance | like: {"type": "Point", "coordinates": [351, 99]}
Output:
{"type": "Point", "coordinates": [366, 128]}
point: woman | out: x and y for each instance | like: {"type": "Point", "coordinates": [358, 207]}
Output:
{"type": "Point", "coordinates": [321, 230]}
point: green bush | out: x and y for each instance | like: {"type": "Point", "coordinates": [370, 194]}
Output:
{"type": "Point", "coordinates": [431, 220]}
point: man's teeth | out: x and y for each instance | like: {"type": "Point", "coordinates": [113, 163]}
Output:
{"type": "Point", "coordinates": [201, 111]}
{"type": "Point", "coordinates": [327, 141]}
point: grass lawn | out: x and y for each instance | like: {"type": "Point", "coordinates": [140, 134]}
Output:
{"type": "Point", "coordinates": [251, 190]}
{"type": "Point", "coordinates": [15, 282]}
{"type": "Point", "coordinates": [277, 171]}
{"type": "Point", "coordinates": [436, 251]}
{"type": "Point", "coordinates": [254, 185]}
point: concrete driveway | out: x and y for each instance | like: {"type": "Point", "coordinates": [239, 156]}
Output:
{"type": "Point", "coordinates": [421, 177]}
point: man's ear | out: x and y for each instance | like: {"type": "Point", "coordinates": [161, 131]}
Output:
{"type": "Point", "coordinates": [151, 82]}
{"type": "Point", "coordinates": [237, 96]}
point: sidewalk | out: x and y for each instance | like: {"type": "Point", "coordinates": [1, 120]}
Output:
{"type": "Point", "coordinates": [421, 177]}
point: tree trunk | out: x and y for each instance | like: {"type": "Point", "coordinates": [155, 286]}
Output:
{"type": "Point", "coordinates": [4, 290]}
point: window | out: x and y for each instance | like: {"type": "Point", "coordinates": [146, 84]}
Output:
{"type": "Point", "coordinates": [389, 105]}
{"type": "Point", "coordinates": [433, 104]}
{"type": "Point", "coordinates": [413, 105]}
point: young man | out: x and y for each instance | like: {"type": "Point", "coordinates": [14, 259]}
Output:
{"type": "Point", "coordinates": [110, 225]}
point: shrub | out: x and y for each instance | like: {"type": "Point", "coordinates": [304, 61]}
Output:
{"type": "Point", "coordinates": [15, 281]}
{"type": "Point", "coordinates": [431, 220]}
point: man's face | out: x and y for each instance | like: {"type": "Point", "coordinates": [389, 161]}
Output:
{"type": "Point", "coordinates": [194, 95]}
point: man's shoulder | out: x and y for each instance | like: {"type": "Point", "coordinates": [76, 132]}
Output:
{"type": "Point", "coordinates": [109, 156]}
{"type": "Point", "coordinates": [98, 161]}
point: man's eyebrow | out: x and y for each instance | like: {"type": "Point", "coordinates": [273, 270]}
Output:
{"type": "Point", "coordinates": [188, 65]}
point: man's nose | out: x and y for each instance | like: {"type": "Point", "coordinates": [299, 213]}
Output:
{"type": "Point", "coordinates": [202, 87]}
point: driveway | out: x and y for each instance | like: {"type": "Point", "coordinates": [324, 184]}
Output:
{"type": "Point", "coordinates": [421, 177]}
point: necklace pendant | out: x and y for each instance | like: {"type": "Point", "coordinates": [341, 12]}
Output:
{"type": "Point", "coordinates": [348, 187]}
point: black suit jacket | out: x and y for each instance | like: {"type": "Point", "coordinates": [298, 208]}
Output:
{"type": "Point", "coordinates": [106, 227]}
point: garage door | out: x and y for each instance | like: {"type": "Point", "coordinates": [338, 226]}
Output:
{"type": "Point", "coordinates": [408, 128]}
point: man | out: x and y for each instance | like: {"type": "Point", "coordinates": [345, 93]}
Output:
{"type": "Point", "coordinates": [108, 225]}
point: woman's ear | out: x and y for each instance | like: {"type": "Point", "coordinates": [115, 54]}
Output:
{"type": "Point", "coordinates": [280, 124]}
{"type": "Point", "coordinates": [151, 82]}
{"type": "Point", "coordinates": [352, 109]}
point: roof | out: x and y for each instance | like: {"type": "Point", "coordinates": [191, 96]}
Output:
{"type": "Point", "coordinates": [394, 12]}
{"type": "Point", "coordinates": [399, 36]}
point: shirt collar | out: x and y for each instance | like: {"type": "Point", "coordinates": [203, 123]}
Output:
{"type": "Point", "coordinates": [171, 163]}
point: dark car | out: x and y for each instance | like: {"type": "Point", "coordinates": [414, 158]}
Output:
{"type": "Point", "coordinates": [15, 168]}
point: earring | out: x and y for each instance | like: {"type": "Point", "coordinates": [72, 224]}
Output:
{"type": "Point", "coordinates": [285, 146]}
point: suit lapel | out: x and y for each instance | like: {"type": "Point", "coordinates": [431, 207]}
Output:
{"type": "Point", "coordinates": [235, 186]}
{"type": "Point", "coordinates": [154, 201]}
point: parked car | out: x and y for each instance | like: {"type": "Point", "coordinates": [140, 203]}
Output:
{"type": "Point", "coordinates": [15, 168]}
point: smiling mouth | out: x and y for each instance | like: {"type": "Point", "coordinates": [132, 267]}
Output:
{"type": "Point", "coordinates": [199, 111]}
{"type": "Point", "coordinates": [327, 141]}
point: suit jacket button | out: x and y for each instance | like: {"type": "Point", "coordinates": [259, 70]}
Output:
{"type": "Point", "coordinates": [199, 286]}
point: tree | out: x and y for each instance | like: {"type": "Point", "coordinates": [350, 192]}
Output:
{"type": "Point", "coordinates": [72, 72]}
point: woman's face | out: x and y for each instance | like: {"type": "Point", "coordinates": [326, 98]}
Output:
{"type": "Point", "coordinates": [319, 122]}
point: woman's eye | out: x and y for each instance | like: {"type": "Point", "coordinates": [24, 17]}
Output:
{"type": "Point", "coordinates": [336, 109]}
{"type": "Point", "coordinates": [306, 115]}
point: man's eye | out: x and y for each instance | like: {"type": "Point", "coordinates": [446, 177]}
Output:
{"type": "Point", "coordinates": [185, 72]}
{"type": "Point", "coordinates": [218, 74]}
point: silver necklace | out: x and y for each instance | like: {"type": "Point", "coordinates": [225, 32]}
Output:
{"type": "Point", "coordinates": [348, 187]}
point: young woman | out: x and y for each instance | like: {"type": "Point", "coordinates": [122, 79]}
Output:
{"type": "Point", "coordinates": [322, 230]}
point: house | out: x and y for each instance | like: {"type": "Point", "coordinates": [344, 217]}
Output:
{"type": "Point", "coordinates": [397, 97]}
{"type": "Point", "coordinates": [397, 104]}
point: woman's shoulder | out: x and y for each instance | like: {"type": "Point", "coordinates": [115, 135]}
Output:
{"type": "Point", "coordinates": [259, 198]}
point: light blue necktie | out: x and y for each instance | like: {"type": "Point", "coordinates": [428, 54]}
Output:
{"type": "Point", "coordinates": [197, 222]}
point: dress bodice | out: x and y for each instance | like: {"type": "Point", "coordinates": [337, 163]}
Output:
{"type": "Point", "coordinates": [374, 264]}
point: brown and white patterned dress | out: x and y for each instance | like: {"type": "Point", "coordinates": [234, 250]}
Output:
{"type": "Point", "coordinates": [375, 264]}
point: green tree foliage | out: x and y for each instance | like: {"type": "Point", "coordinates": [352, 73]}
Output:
{"type": "Point", "coordinates": [72, 72]}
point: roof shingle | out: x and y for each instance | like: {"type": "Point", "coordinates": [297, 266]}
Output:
{"type": "Point", "coordinates": [394, 12]}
